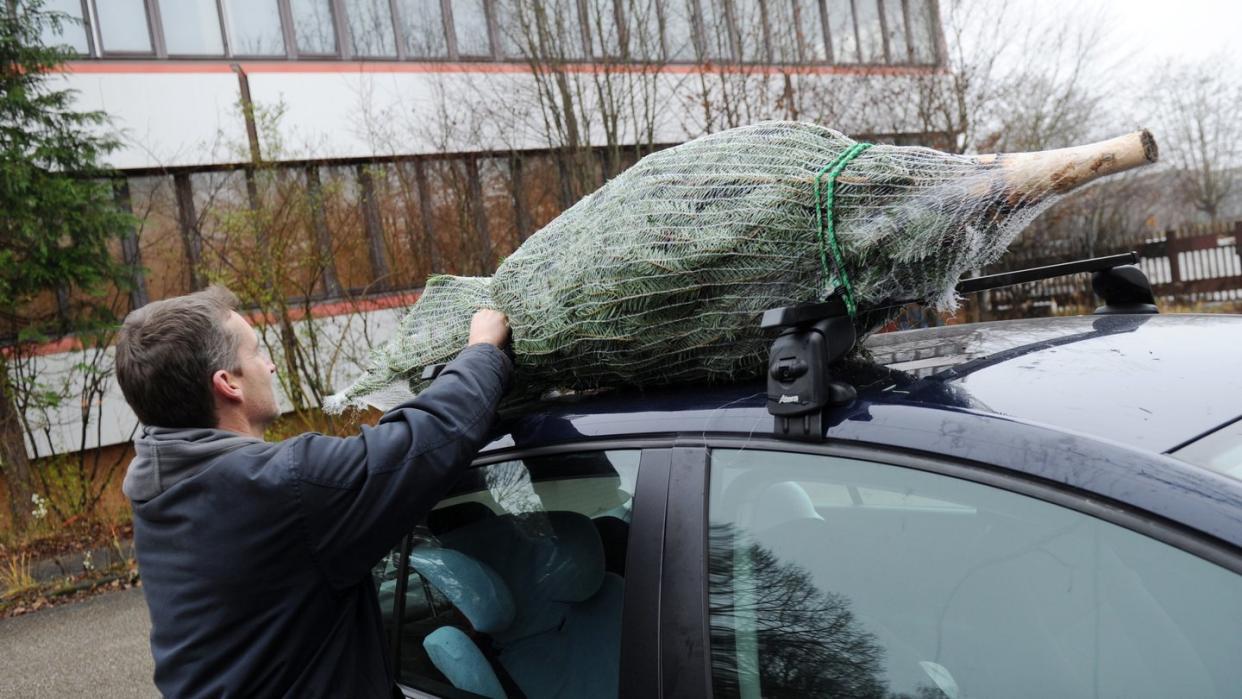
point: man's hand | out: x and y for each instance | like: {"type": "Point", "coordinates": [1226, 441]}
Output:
{"type": "Point", "coordinates": [491, 327]}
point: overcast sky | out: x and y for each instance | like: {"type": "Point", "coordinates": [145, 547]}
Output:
{"type": "Point", "coordinates": [1177, 28]}
{"type": "Point", "coordinates": [1151, 32]}
{"type": "Point", "coordinates": [1142, 37]}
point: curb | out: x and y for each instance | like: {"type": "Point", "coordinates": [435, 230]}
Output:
{"type": "Point", "coordinates": [74, 564]}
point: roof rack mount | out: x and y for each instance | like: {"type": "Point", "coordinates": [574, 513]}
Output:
{"type": "Point", "coordinates": [815, 335]}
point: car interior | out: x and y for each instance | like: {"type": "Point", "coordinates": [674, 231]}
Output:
{"type": "Point", "coordinates": [516, 581]}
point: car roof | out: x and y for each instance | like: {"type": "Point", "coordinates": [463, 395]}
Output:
{"type": "Point", "coordinates": [1153, 382]}
{"type": "Point", "coordinates": [1092, 403]}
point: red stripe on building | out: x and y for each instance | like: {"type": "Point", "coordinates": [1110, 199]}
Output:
{"type": "Point", "coordinates": [328, 309]}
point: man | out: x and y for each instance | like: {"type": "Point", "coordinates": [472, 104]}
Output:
{"type": "Point", "coordinates": [256, 557]}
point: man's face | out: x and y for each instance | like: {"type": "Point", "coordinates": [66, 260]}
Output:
{"type": "Point", "coordinates": [258, 392]}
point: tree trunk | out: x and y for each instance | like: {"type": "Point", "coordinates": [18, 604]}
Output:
{"type": "Point", "coordinates": [13, 459]}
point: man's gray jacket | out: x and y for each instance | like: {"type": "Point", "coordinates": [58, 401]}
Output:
{"type": "Point", "coordinates": [256, 557]}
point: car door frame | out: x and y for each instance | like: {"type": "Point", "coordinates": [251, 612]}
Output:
{"type": "Point", "coordinates": [683, 639]}
{"type": "Point", "coordinates": [643, 567]}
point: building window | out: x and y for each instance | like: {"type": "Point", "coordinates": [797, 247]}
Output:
{"type": "Point", "coordinates": [679, 30]}
{"type": "Point", "coordinates": [841, 31]}
{"type": "Point", "coordinates": [602, 24]}
{"type": "Point", "coordinates": [748, 21]}
{"type": "Point", "coordinates": [922, 31]}
{"type": "Point", "coordinates": [714, 23]}
{"type": "Point", "coordinates": [796, 32]}
{"type": "Point", "coordinates": [565, 25]}
{"type": "Point", "coordinates": [370, 28]}
{"type": "Point", "coordinates": [550, 30]}
{"type": "Point", "coordinates": [422, 28]}
{"type": "Point", "coordinates": [72, 30]}
{"type": "Point", "coordinates": [642, 22]}
{"type": "Point", "coordinates": [810, 25]}
{"type": "Point", "coordinates": [895, 26]}
{"type": "Point", "coordinates": [313, 29]}
{"type": "Point", "coordinates": [254, 27]}
{"type": "Point", "coordinates": [870, 31]}
{"type": "Point", "coordinates": [191, 27]}
{"type": "Point", "coordinates": [123, 26]}
{"type": "Point", "coordinates": [512, 28]}
{"type": "Point", "coordinates": [470, 28]}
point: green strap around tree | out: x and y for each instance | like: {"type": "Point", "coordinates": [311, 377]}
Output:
{"type": "Point", "coordinates": [824, 215]}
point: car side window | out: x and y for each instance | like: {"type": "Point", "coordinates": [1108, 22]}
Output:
{"type": "Point", "coordinates": [838, 577]}
{"type": "Point", "coordinates": [516, 580]}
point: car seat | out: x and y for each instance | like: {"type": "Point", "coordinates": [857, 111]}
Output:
{"type": "Point", "coordinates": [563, 638]}
{"type": "Point", "coordinates": [417, 606]}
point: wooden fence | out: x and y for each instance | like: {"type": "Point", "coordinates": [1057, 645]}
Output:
{"type": "Point", "coordinates": [1194, 267]}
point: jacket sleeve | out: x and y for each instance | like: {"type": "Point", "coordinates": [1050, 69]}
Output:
{"type": "Point", "coordinates": [359, 495]}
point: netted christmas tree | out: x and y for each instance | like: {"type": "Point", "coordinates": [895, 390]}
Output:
{"type": "Point", "coordinates": [661, 275]}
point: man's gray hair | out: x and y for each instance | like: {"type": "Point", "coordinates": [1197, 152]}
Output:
{"type": "Point", "coordinates": [167, 352]}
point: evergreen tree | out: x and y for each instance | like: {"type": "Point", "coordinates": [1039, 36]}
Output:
{"type": "Point", "coordinates": [58, 215]}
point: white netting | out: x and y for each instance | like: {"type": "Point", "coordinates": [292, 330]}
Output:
{"type": "Point", "coordinates": [661, 275]}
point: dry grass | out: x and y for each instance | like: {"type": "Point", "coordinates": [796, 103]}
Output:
{"type": "Point", "coordinates": [15, 576]}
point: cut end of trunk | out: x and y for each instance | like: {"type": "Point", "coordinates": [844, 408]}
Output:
{"type": "Point", "coordinates": [1058, 171]}
{"type": "Point", "coordinates": [1150, 150]}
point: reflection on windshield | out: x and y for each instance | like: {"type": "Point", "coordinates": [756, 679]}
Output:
{"type": "Point", "coordinates": [775, 634]}
{"type": "Point", "coordinates": [835, 577]}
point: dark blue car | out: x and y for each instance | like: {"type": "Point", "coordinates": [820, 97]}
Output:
{"type": "Point", "coordinates": [1038, 508]}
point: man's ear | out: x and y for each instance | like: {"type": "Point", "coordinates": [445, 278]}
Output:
{"type": "Point", "coordinates": [226, 386]}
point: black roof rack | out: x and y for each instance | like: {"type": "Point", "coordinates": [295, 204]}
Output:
{"type": "Point", "coordinates": [813, 336]}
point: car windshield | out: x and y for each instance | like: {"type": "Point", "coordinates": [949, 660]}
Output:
{"type": "Point", "coordinates": [1220, 451]}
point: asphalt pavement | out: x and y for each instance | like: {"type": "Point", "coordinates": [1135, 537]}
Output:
{"type": "Point", "coordinates": [95, 648]}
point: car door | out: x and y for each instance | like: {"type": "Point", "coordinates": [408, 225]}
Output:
{"type": "Point", "coordinates": [528, 578]}
{"type": "Point", "coordinates": [840, 571]}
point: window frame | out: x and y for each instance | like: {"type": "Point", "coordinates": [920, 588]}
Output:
{"type": "Point", "coordinates": [589, 38]}
{"type": "Point", "coordinates": [864, 60]}
{"type": "Point", "coordinates": [833, 58]}
{"type": "Point", "coordinates": [805, 52]}
{"type": "Point", "coordinates": [154, 33]}
{"type": "Point", "coordinates": [639, 660]}
{"type": "Point", "coordinates": [698, 35]}
{"type": "Point", "coordinates": [344, 36]}
{"type": "Point", "coordinates": [662, 11]}
{"type": "Point", "coordinates": [286, 35]}
{"type": "Point", "coordinates": [294, 52]}
{"type": "Point", "coordinates": [162, 42]}
{"type": "Point", "coordinates": [403, 53]}
{"type": "Point", "coordinates": [737, 40]}
{"type": "Point", "coordinates": [449, 20]}
{"type": "Point", "coordinates": [1143, 523]}
{"type": "Point", "coordinates": [88, 26]}
{"type": "Point", "coordinates": [933, 18]}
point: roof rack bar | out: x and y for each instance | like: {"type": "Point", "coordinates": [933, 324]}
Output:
{"type": "Point", "coordinates": [996, 281]}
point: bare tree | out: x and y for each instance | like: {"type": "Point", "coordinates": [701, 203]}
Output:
{"type": "Point", "coordinates": [807, 642]}
{"type": "Point", "coordinates": [1198, 107]}
{"type": "Point", "coordinates": [1016, 78]}
{"type": "Point", "coordinates": [596, 81]}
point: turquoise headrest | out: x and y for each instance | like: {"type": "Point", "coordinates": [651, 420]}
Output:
{"type": "Point", "coordinates": [472, 587]}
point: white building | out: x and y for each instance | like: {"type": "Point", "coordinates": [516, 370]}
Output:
{"type": "Point", "coordinates": [367, 143]}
